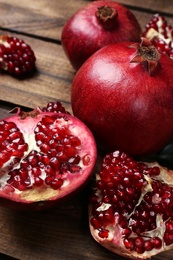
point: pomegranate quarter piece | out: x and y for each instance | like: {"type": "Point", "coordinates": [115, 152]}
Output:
{"type": "Point", "coordinates": [16, 56]}
{"type": "Point", "coordinates": [131, 209]}
{"type": "Point", "coordinates": [44, 157]}
{"type": "Point", "coordinates": [160, 33]}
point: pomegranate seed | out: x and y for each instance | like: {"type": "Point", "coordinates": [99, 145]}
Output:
{"type": "Point", "coordinates": [148, 245]}
{"type": "Point", "coordinates": [56, 183]}
{"type": "Point", "coordinates": [129, 243]}
{"type": "Point", "coordinates": [104, 233]}
{"type": "Point", "coordinates": [156, 242]}
{"type": "Point", "coordinates": [95, 223]}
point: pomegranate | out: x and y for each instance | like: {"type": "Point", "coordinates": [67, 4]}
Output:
{"type": "Point", "coordinates": [160, 33]}
{"type": "Point", "coordinates": [44, 157]}
{"type": "Point", "coordinates": [124, 94]}
{"type": "Point", "coordinates": [16, 56]}
{"type": "Point", "coordinates": [131, 208]}
{"type": "Point", "coordinates": [95, 25]}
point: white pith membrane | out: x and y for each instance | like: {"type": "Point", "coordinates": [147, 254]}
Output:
{"type": "Point", "coordinates": [71, 180]}
{"type": "Point", "coordinates": [162, 31]}
{"type": "Point", "coordinates": [115, 239]}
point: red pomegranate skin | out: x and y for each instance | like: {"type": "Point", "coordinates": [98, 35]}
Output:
{"type": "Point", "coordinates": [124, 106]}
{"type": "Point", "coordinates": [83, 34]}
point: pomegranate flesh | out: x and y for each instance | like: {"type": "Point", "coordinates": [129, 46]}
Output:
{"type": "Point", "coordinates": [95, 25]}
{"type": "Point", "coordinates": [160, 33]}
{"type": "Point", "coordinates": [44, 157]}
{"type": "Point", "coordinates": [124, 94]}
{"type": "Point", "coordinates": [131, 208]}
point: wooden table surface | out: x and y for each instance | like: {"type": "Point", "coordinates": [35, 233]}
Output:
{"type": "Point", "coordinates": [60, 233]}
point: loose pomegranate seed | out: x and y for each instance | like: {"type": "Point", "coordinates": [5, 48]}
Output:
{"type": "Point", "coordinates": [17, 57]}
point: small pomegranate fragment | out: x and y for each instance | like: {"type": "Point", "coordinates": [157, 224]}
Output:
{"type": "Point", "coordinates": [56, 107]}
{"type": "Point", "coordinates": [41, 157]}
{"type": "Point", "coordinates": [131, 208]}
{"type": "Point", "coordinates": [160, 33]}
{"type": "Point", "coordinates": [16, 56]}
{"type": "Point", "coordinates": [96, 25]}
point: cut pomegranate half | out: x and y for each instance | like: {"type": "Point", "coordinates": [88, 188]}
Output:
{"type": "Point", "coordinates": [44, 156]}
{"type": "Point", "coordinates": [131, 209]}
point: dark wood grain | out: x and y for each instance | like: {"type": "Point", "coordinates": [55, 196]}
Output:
{"type": "Point", "coordinates": [45, 20]}
{"type": "Point", "coordinates": [60, 233]}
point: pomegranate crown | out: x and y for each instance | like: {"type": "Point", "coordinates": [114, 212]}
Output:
{"type": "Point", "coordinates": [146, 52]}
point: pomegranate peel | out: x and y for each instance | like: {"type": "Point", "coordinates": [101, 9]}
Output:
{"type": "Point", "coordinates": [44, 156]}
{"type": "Point", "coordinates": [130, 211]}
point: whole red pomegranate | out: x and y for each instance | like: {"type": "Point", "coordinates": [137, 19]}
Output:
{"type": "Point", "coordinates": [124, 94]}
{"type": "Point", "coordinates": [131, 208]}
{"type": "Point", "coordinates": [44, 157]}
{"type": "Point", "coordinates": [95, 25]}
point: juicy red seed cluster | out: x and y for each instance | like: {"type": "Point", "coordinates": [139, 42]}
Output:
{"type": "Point", "coordinates": [140, 245]}
{"type": "Point", "coordinates": [59, 154]}
{"type": "Point", "coordinates": [30, 173]}
{"type": "Point", "coordinates": [168, 236]}
{"type": "Point", "coordinates": [57, 141]}
{"type": "Point", "coordinates": [164, 44]}
{"type": "Point", "coordinates": [18, 57]}
{"type": "Point", "coordinates": [55, 107]}
{"type": "Point", "coordinates": [120, 185]}
{"type": "Point", "coordinates": [12, 143]}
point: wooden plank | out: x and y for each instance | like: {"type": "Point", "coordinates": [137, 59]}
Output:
{"type": "Point", "coordinates": [47, 20]}
{"type": "Point", "coordinates": [60, 233]}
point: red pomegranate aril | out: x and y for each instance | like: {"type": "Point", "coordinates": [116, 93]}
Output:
{"type": "Point", "coordinates": [54, 162]}
{"type": "Point", "coordinates": [148, 245]}
{"type": "Point", "coordinates": [156, 242]}
{"type": "Point", "coordinates": [95, 223]}
{"type": "Point", "coordinates": [56, 183]}
{"type": "Point", "coordinates": [135, 221]}
{"type": "Point", "coordinates": [129, 244]}
{"type": "Point", "coordinates": [74, 159]}
{"type": "Point", "coordinates": [103, 233]}
{"type": "Point", "coordinates": [38, 182]}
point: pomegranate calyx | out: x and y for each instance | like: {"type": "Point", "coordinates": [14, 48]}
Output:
{"type": "Point", "coordinates": [34, 113]}
{"type": "Point", "coordinates": [146, 52]}
{"type": "Point", "coordinates": [107, 16]}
